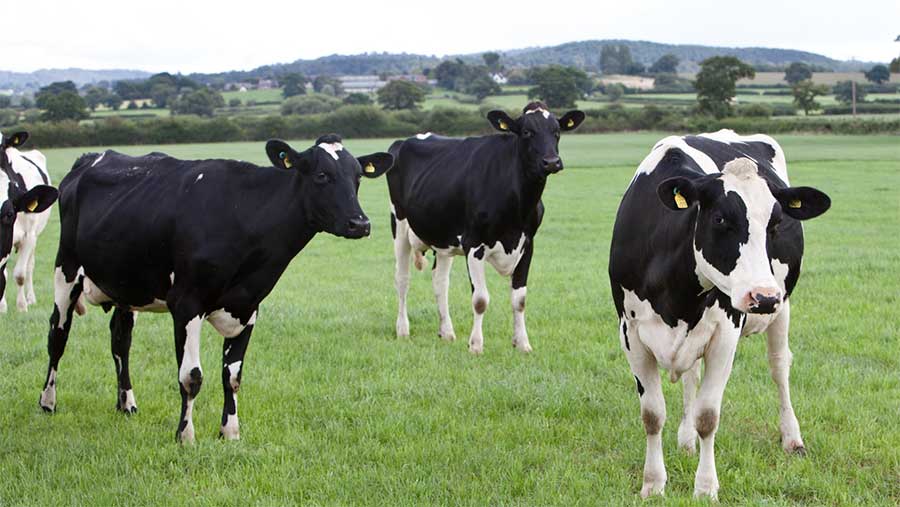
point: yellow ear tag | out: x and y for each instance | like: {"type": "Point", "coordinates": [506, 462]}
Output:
{"type": "Point", "coordinates": [284, 158]}
{"type": "Point", "coordinates": [32, 205]}
{"type": "Point", "coordinates": [795, 204]}
{"type": "Point", "coordinates": [503, 126]}
{"type": "Point", "coordinates": [680, 201]}
{"type": "Point", "coordinates": [15, 141]}
{"type": "Point", "coordinates": [369, 168]}
{"type": "Point", "coordinates": [571, 123]}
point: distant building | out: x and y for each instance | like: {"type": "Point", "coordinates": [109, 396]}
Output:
{"type": "Point", "coordinates": [267, 84]}
{"type": "Point", "coordinates": [361, 84]}
{"type": "Point", "coordinates": [498, 78]}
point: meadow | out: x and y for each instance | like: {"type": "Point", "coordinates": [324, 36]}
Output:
{"type": "Point", "coordinates": [335, 410]}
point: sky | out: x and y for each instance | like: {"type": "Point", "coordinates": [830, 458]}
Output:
{"type": "Point", "coordinates": [211, 36]}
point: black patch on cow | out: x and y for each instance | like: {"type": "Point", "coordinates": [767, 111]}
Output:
{"type": "Point", "coordinates": [722, 226]}
{"type": "Point", "coordinates": [716, 296]}
{"type": "Point", "coordinates": [625, 334]}
{"type": "Point", "coordinates": [329, 139]}
{"type": "Point", "coordinates": [640, 387]}
{"type": "Point", "coordinates": [479, 252]}
{"type": "Point", "coordinates": [39, 170]}
{"type": "Point", "coordinates": [393, 226]}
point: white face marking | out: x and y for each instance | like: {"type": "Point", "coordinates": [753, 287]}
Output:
{"type": "Point", "coordinates": [422, 137]}
{"type": "Point", "coordinates": [541, 110]}
{"type": "Point", "coordinates": [659, 151]}
{"type": "Point", "coordinates": [98, 159]}
{"type": "Point", "coordinates": [172, 277]}
{"type": "Point", "coordinates": [200, 177]}
{"type": "Point", "coordinates": [332, 148]}
{"type": "Point", "coordinates": [729, 136]}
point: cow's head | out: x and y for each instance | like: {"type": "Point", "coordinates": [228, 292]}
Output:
{"type": "Point", "coordinates": [737, 214]}
{"type": "Point", "coordinates": [18, 198]}
{"type": "Point", "coordinates": [538, 130]}
{"type": "Point", "coordinates": [330, 178]}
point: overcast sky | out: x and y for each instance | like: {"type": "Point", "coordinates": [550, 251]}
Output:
{"type": "Point", "coordinates": [206, 36]}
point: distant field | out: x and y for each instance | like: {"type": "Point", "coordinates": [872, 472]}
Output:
{"type": "Point", "coordinates": [130, 112]}
{"type": "Point", "coordinates": [829, 78]}
{"type": "Point", "coordinates": [336, 411]}
{"type": "Point", "coordinates": [273, 94]}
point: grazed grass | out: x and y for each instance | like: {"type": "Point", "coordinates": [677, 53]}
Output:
{"type": "Point", "coordinates": [336, 411]}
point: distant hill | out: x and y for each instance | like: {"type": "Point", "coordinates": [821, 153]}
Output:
{"type": "Point", "coordinates": [31, 81]}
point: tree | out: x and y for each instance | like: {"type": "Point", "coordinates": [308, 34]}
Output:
{"type": "Point", "coordinates": [234, 102]}
{"type": "Point", "coordinates": [878, 74]}
{"type": "Point", "coordinates": [358, 99]}
{"type": "Point", "coordinates": [293, 84]}
{"type": "Point", "coordinates": [895, 65]}
{"type": "Point", "coordinates": [53, 89]}
{"type": "Point", "coordinates": [805, 93]}
{"type": "Point", "coordinates": [616, 59]}
{"type": "Point", "coordinates": [667, 64]}
{"type": "Point", "coordinates": [483, 86]}
{"type": "Point", "coordinates": [614, 91]}
{"type": "Point", "coordinates": [559, 86]}
{"type": "Point", "coordinates": [448, 72]}
{"type": "Point", "coordinates": [843, 92]}
{"type": "Point", "coordinates": [94, 96]}
{"type": "Point", "coordinates": [797, 72]}
{"type": "Point", "coordinates": [162, 93]}
{"type": "Point", "coordinates": [202, 102]}
{"type": "Point", "coordinates": [400, 94]}
{"type": "Point", "coordinates": [26, 103]}
{"type": "Point", "coordinates": [715, 83]}
{"type": "Point", "coordinates": [112, 101]}
{"type": "Point", "coordinates": [5, 101]}
{"type": "Point", "coordinates": [64, 106]}
{"type": "Point", "coordinates": [320, 82]}
{"type": "Point", "coordinates": [310, 104]}
{"type": "Point", "coordinates": [492, 61]}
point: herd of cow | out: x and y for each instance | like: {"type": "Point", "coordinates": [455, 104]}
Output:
{"type": "Point", "coordinates": [706, 248]}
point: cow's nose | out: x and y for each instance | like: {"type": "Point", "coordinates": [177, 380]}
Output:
{"type": "Point", "coordinates": [552, 164]}
{"type": "Point", "coordinates": [359, 226]}
{"type": "Point", "coordinates": [762, 300]}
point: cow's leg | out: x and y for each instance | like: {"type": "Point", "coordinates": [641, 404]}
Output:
{"type": "Point", "coordinates": [29, 279]}
{"type": "Point", "coordinates": [120, 327]}
{"type": "Point", "coordinates": [3, 307]}
{"type": "Point", "coordinates": [67, 282]}
{"type": "Point", "coordinates": [440, 281]}
{"type": "Point", "coordinates": [518, 292]}
{"type": "Point", "coordinates": [780, 359]}
{"type": "Point", "coordinates": [717, 365]}
{"type": "Point", "coordinates": [653, 409]}
{"type": "Point", "coordinates": [402, 251]}
{"type": "Point", "coordinates": [26, 250]}
{"type": "Point", "coordinates": [480, 297]}
{"type": "Point", "coordinates": [687, 433]}
{"type": "Point", "coordinates": [188, 319]}
{"type": "Point", "coordinates": [232, 367]}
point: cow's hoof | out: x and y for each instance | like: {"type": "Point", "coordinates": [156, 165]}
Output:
{"type": "Point", "coordinates": [795, 448]}
{"type": "Point", "coordinates": [31, 299]}
{"type": "Point", "coordinates": [447, 335]}
{"type": "Point", "coordinates": [185, 433]}
{"type": "Point", "coordinates": [655, 488]}
{"type": "Point", "coordinates": [3, 307]}
{"type": "Point", "coordinates": [402, 328]}
{"type": "Point", "coordinates": [522, 346]}
{"type": "Point", "coordinates": [47, 410]}
{"type": "Point", "coordinates": [230, 431]}
{"type": "Point", "coordinates": [126, 403]}
{"type": "Point", "coordinates": [48, 400]}
{"type": "Point", "coordinates": [476, 350]}
{"type": "Point", "coordinates": [22, 306]}
{"type": "Point", "coordinates": [707, 489]}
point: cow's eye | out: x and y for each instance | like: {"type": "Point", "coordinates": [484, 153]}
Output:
{"type": "Point", "coordinates": [719, 220]}
{"type": "Point", "coordinates": [321, 178]}
{"type": "Point", "coordinates": [527, 133]}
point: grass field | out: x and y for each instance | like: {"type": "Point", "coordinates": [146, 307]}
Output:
{"type": "Point", "coordinates": [269, 95]}
{"type": "Point", "coordinates": [336, 411]}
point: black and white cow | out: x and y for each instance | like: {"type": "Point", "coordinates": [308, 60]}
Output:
{"type": "Point", "coordinates": [205, 240]}
{"type": "Point", "coordinates": [26, 196]}
{"type": "Point", "coordinates": [706, 248]}
{"type": "Point", "coordinates": [479, 197]}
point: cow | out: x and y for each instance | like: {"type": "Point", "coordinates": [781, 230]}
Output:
{"type": "Point", "coordinates": [205, 240]}
{"type": "Point", "coordinates": [706, 248]}
{"type": "Point", "coordinates": [479, 197]}
{"type": "Point", "coordinates": [24, 213]}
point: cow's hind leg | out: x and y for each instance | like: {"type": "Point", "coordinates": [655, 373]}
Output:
{"type": "Point", "coordinates": [67, 282]}
{"type": "Point", "coordinates": [480, 297]}
{"type": "Point", "coordinates": [29, 279]}
{"type": "Point", "coordinates": [653, 409]}
{"type": "Point", "coordinates": [188, 319]}
{"type": "Point", "coordinates": [3, 306]}
{"type": "Point", "coordinates": [232, 367]}
{"type": "Point", "coordinates": [402, 251]}
{"type": "Point", "coordinates": [20, 272]}
{"type": "Point", "coordinates": [687, 433]}
{"type": "Point", "coordinates": [780, 359]}
{"type": "Point", "coordinates": [518, 292]}
{"type": "Point", "coordinates": [120, 327]}
{"type": "Point", "coordinates": [440, 281]}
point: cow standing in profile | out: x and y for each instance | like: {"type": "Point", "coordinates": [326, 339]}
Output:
{"type": "Point", "coordinates": [479, 197]}
{"type": "Point", "coordinates": [205, 240]}
{"type": "Point", "coordinates": [24, 213]}
{"type": "Point", "coordinates": [706, 248]}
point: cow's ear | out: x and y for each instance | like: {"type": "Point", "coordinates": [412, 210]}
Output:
{"type": "Point", "coordinates": [15, 140]}
{"type": "Point", "coordinates": [571, 120]}
{"type": "Point", "coordinates": [802, 203]}
{"type": "Point", "coordinates": [677, 193]}
{"type": "Point", "coordinates": [502, 122]}
{"type": "Point", "coordinates": [36, 199]}
{"type": "Point", "coordinates": [376, 164]}
{"type": "Point", "coordinates": [283, 156]}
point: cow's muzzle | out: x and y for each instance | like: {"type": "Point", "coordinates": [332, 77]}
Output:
{"type": "Point", "coordinates": [358, 228]}
{"type": "Point", "coordinates": [551, 165]}
{"type": "Point", "coordinates": [763, 301]}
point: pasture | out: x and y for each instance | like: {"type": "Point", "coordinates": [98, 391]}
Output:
{"type": "Point", "coordinates": [335, 410]}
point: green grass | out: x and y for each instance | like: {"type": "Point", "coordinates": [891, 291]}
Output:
{"type": "Point", "coordinates": [336, 411]}
{"type": "Point", "coordinates": [270, 95]}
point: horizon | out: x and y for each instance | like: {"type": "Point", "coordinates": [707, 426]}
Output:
{"type": "Point", "coordinates": [221, 44]}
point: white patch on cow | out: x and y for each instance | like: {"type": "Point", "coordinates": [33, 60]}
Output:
{"type": "Point", "coordinates": [541, 110]}
{"type": "Point", "coordinates": [648, 165]}
{"type": "Point", "coordinates": [48, 395]}
{"type": "Point", "coordinates": [233, 370]}
{"type": "Point", "coordinates": [504, 263]}
{"type": "Point", "coordinates": [227, 324]}
{"type": "Point", "coordinates": [98, 159]}
{"type": "Point", "coordinates": [731, 137]}
{"type": "Point", "coordinates": [172, 278]}
{"type": "Point", "coordinates": [200, 177]}
{"type": "Point", "coordinates": [130, 402]}
{"type": "Point", "coordinates": [332, 148]}
{"type": "Point", "coordinates": [93, 294]}
{"type": "Point", "coordinates": [118, 360]}
{"type": "Point", "coordinates": [62, 291]}
{"type": "Point", "coordinates": [157, 306]}
{"type": "Point", "coordinates": [520, 334]}
{"type": "Point", "coordinates": [230, 430]}
{"type": "Point", "coordinates": [191, 357]}
{"type": "Point", "coordinates": [422, 137]}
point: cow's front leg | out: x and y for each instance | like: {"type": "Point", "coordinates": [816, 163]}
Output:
{"type": "Point", "coordinates": [29, 280]}
{"type": "Point", "coordinates": [187, 352]}
{"type": "Point", "coordinates": [653, 408]}
{"type": "Point", "coordinates": [687, 433]}
{"type": "Point", "coordinates": [518, 292]}
{"type": "Point", "coordinates": [480, 297]}
{"type": "Point", "coordinates": [67, 284]}
{"type": "Point", "coordinates": [3, 306]}
{"type": "Point", "coordinates": [232, 366]}
{"type": "Point", "coordinates": [780, 359]}
{"type": "Point", "coordinates": [20, 272]}
{"type": "Point", "coordinates": [440, 282]}
{"type": "Point", "coordinates": [120, 327]}
{"type": "Point", "coordinates": [718, 360]}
